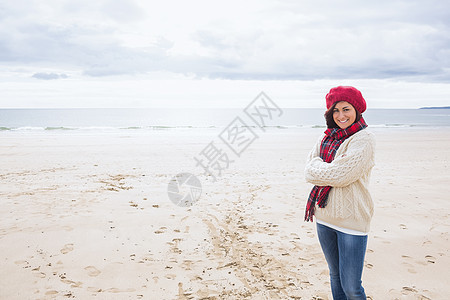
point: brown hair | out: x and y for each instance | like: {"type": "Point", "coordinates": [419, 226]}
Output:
{"type": "Point", "coordinates": [330, 120]}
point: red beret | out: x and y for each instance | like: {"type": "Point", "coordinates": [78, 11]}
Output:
{"type": "Point", "coordinates": [346, 93]}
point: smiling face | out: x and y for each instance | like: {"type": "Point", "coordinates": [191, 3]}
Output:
{"type": "Point", "coordinates": [344, 114]}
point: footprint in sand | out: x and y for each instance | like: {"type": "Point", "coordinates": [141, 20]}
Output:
{"type": "Point", "coordinates": [406, 290]}
{"type": "Point", "coordinates": [161, 230]}
{"type": "Point", "coordinates": [310, 234]}
{"type": "Point", "coordinates": [410, 267]}
{"type": "Point", "coordinates": [322, 296]}
{"type": "Point", "coordinates": [74, 284]}
{"type": "Point", "coordinates": [39, 274]}
{"type": "Point", "coordinates": [187, 264]}
{"type": "Point", "coordinates": [430, 259]}
{"type": "Point", "coordinates": [25, 263]}
{"type": "Point", "coordinates": [67, 248]}
{"type": "Point", "coordinates": [92, 271]}
{"type": "Point", "coordinates": [51, 292]}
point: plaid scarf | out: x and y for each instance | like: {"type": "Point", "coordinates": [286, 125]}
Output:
{"type": "Point", "coordinates": [334, 137]}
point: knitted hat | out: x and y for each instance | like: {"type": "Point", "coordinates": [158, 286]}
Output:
{"type": "Point", "coordinates": [349, 94]}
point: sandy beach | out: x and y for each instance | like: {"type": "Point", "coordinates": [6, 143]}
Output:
{"type": "Point", "coordinates": [88, 216]}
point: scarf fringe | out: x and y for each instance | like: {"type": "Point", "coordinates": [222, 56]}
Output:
{"type": "Point", "coordinates": [309, 214]}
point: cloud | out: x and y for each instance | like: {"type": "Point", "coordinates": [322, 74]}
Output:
{"type": "Point", "coordinates": [264, 40]}
{"type": "Point", "coordinates": [49, 76]}
{"type": "Point", "coordinates": [349, 41]}
{"type": "Point", "coordinates": [123, 10]}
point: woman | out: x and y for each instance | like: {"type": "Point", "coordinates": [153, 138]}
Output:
{"type": "Point", "coordinates": [339, 166]}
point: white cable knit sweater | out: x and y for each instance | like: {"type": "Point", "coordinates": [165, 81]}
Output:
{"type": "Point", "coordinates": [349, 202]}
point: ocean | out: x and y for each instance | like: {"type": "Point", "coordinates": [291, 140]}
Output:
{"type": "Point", "coordinates": [133, 119]}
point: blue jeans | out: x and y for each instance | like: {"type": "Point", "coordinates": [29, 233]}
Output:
{"type": "Point", "coordinates": [345, 257]}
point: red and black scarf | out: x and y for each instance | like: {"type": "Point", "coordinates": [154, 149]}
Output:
{"type": "Point", "coordinates": [334, 137]}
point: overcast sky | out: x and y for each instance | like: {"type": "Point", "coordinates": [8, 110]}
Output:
{"type": "Point", "coordinates": [141, 53]}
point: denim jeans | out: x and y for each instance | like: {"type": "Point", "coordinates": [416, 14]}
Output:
{"type": "Point", "coordinates": [345, 257]}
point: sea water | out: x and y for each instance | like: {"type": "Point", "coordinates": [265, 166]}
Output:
{"type": "Point", "coordinates": [120, 119]}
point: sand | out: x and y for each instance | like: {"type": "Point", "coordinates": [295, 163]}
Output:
{"type": "Point", "coordinates": [87, 215]}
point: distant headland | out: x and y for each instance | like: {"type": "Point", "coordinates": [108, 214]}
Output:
{"type": "Point", "coordinates": [436, 107]}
